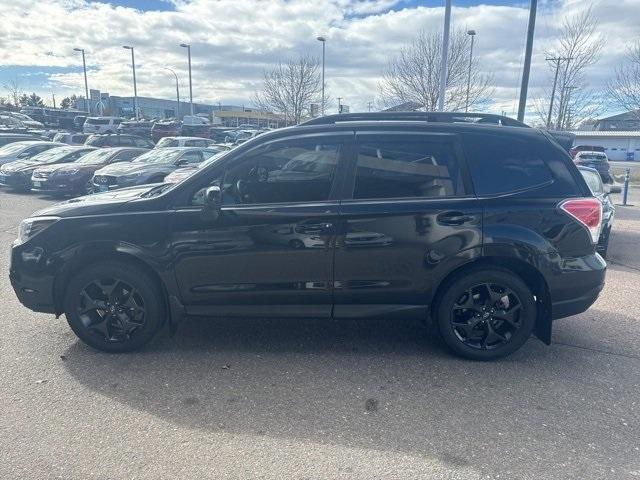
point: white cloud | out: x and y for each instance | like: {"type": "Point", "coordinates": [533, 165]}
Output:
{"type": "Point", "coordinates": [234, 40]}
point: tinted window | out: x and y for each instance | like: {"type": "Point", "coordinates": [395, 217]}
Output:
{"type": "Point", "coordinates": [140, 142]}
{"type": "Point", "coordinates": [505, 164]}
{"type": "Point", "coordinates": [593, 181]}
{"type": "Point", "coordinates": [286, 172]}
{"type": "Point", "coordinates": [407, 166]}
{"type": "Point", "coordinates": [126, 155]}
{"type": "Point", "coordinates": [192, 157]}
{"type": "Point", "coordinates": [196, 143]}
{"type": "Point", "coordinates": [126, 141]}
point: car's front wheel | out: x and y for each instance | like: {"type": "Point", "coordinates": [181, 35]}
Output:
{"type": "Point", "coordinates": [114, 307]}
{"type": "Point", "coordinates": [486, 314]}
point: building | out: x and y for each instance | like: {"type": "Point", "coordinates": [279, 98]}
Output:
{"type": "Point", "coordinates": [101, 103]}
{"type": "Point", "coordinates": [618, 145]}
{"type": "Point", "coordinates": [627, 121]}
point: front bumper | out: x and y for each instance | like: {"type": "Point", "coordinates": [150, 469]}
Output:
{"type": "Point", "coordinates": [30, 279]}
{"type": "Point", "coordinates": [15, 180]}
{"type": "Point", "coordinates": [57, 185]}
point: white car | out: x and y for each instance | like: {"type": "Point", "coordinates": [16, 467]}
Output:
{"type": "Point", "coordinates": [184, 142]}
{"type": "Point", "coordinates": [101, 124]}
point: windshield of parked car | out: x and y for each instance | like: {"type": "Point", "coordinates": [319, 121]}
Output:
{"type": "Point", "coordinates": [159, 156]}
{"type": "Point", "coordinates": [97, 121]}
{"type": "Point", "coordinates": [12, 148]}
{"type": "Point", "coordinates": [592, 156]}
{"type": "Point", "coordinates": [51, 154]}
{"type": "Point", "coordinates": [167, 142]}
{"type": "Point", "coordinates": [59, 137]}
{"type": "Point", "coordinates": [96, 156]}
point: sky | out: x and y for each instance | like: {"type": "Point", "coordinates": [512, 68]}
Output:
{"type": "Point", "coordinates": [234, 41]}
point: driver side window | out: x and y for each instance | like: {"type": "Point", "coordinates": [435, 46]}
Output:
{"type": "Point", "coordinates": [287, 172]}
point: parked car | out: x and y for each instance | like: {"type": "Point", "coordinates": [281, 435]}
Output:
{"type": "Point", "coordinates": [118, 140]}
{"type": "Point", "coordinates": [488, 230]}
{"type": "Point", "coordinates": [101, 124]}
{"type": "Point", "coordinates": [601, 192]}
{"type": "Point", "coordinates": [184, 142]}
{"type": "Point", "coordinates": [17, 175]}
{"type": "Point", "coordinates": [78, 122]}
{"type": "Point", "coordinates": [70, 138]}
{"type": "Point", "coordinates": [25, 120]}
{"type": "Point", "coordinates": [75, 178]}
{"type": "Point", "coordinates": [140, 128]}
{"type": "Point", "coordinates": [6, 138]}
{"type": "Point", "coordinates": [24, 150]}
{"type": "Point", "coordinates": [597, 160]}
{"type": "Point", "coordinates": [165, 128]}
{"type": "Point", "coordinates": [151, 167]}
{"type": "Point", "coordinates": [219, 134]}
{"type": "Point", "coordinates": [585, 148]}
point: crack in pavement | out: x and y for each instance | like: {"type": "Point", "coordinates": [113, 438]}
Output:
{"type": "Point", "coordinates": [597, 350]}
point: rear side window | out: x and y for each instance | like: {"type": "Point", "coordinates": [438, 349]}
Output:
{"type": "Point", "coordinates": [407, 166]}
{"type": "Point", "coordinates": [505, 164]}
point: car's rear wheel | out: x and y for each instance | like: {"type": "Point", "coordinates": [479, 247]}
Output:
{"type": "Point", "coordinates": [114, 307]}
{"type": "Point", "coordinates": [486, 314]}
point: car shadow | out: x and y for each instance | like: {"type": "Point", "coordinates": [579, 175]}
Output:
{"type": "Point", "coordinates": [379, 384]}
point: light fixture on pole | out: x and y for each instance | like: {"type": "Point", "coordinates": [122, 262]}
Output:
{"type": "Point", "coordinates": [188, 47]}
{"type": "Point", "coordinates": [445, 56]}
{"type": "Point", "coordinates": [135, 88]}
{"type": "Point", "coordinates": [324, 41]}
{"type": "Point", "coordinates": [177, 92]}
{"type": "Point", "coordinates": [86, 84]}
{"type": "Point", "coordinates": [472, 34]}
{"type": "Point", "coordinates": [527, 60]}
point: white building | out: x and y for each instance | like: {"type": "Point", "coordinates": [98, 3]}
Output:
{"type": "Point", "coordinates": [618, 144]}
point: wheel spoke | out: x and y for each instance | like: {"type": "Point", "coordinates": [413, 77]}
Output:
{"type": "Point", "coordinates": [509, 315]}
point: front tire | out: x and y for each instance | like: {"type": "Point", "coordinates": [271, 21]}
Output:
{"type": "Point", "coordinates": [485, 314]}
{"type": "Point", "coordinates": [114, 307]}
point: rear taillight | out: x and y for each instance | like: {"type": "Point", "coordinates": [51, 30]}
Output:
{"type": "Point", "coordinates": [588, 211]}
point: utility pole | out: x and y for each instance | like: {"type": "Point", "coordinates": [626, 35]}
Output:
{"type": "Point", "coordinates": [339, 105]}
{"type": "Point", "coordinates": [54, 99]}
{"type": "Point", "coordinates": [86, 85]}
{"type": "Point", "coordinates": [567, 109]}
{"type": "Point", "coordinates": [324, 41]}
{"type": "Point", "coordinates": [527, 60]}
{"type": "Point", "coordinates": [369, 106]}
{"type": "Point", "coordinates": [472, 34]}
{"type": "Point", "coordinates": [188, 47]}
{"type": "Point", "coordinates": [557, 61]}
{"type": "Point", "coordinates": [445, 55]}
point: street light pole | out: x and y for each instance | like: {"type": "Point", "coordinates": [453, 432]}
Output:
{"type": "Point", "coordinates": [324, 41]}
{"type": "Point", "coordinates": [472, 33]}
{"type": "Point", "coordinates": [339, 105]}
{"type": "Point", "coordinates": [86, 84]}
{"type": "Point", "coordinates": [527, 60]}
{"type": "Point", "coordinates": [177, 92]}
{"type": "Point", "coordinates": [135, 88]}
{"type": "Point", "coordinates": [445, 55]}
{"type": "Point", "coordinates": [188, 47]}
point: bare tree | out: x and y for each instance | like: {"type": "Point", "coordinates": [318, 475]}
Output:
{"type": "Point", "coordinates": [624, 89]}
{"type": "Point", "coordinates": [413, 76]}
{"type": "Point", "coordinates": [578, 47]}
{"type": "Point", "coordinates": [14, 92]}
{"type": "Point", "coordinates": [291, 88]}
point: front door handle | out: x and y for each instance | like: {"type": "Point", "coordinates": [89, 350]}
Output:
{"type": "Point", "coordinates": [454, 218]}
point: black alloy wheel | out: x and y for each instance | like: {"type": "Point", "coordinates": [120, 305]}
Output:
{"type": "Point", "coordinates": [114, 307]}
{"type": "Point", "coordinates": [485, 314]}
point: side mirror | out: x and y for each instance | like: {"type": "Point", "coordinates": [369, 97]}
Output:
{"type": "Point", "coordinates": [612, 188]}
{"type": "Point", "coordinates": [212, 203]}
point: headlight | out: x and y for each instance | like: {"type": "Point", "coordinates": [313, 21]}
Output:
{"type": "Point", "coordinates": [32, 226]}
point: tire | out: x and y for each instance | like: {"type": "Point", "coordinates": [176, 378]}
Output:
{"type": "Point", "coordinates": [122, 321]}
{"type": "Point", "coordinates": [485, 314]}
{"type": "Point", "coordinates": [296, 243]}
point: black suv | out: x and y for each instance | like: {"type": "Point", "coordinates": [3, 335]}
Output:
{"type": "Point", "coordinates": [476, 222]}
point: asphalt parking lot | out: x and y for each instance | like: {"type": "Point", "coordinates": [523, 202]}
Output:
{"type": "Point", "coordinates": [232, 399]}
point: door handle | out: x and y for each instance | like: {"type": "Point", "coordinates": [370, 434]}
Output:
{"type": "Point", "coordinates": [454, 218]}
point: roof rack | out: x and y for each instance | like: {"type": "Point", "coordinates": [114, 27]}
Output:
{"type": "Point", "coordinates": [431, 117]}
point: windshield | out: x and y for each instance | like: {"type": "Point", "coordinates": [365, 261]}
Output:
{"type": "Point", "coordinates": [97, 121]}
{"type": "Point", "coordinates": [159, 156]}
{"type": "Point", "coordinates": [12, 148]}
{"type": "Point", "coordinates": [52, 154]}
{"type": "Point", "coordinates": [96, 156]}
{"type": "Point", "coordinates": [59, 137]}
{"type": "Point", "coordinates": [167, 142]}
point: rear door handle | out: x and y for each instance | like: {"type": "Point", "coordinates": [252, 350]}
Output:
{"type": "Point", "coordinates": [454, 218]}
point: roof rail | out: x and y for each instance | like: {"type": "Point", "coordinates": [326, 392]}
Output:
{"type": "Point", "coordinates": [435, 117]}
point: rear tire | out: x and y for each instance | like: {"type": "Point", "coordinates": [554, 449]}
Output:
{"type": "Point", "coordinates": [485, 314]}
{"type": "Point", "coordinates": [114, 307]}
